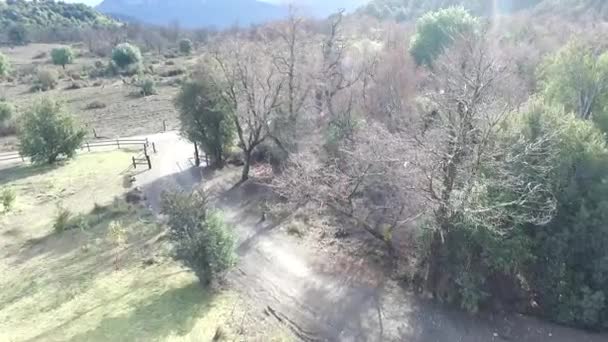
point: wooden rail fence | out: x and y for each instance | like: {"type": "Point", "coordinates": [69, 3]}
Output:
{"type": "Point", "coordinates": [88, 145]}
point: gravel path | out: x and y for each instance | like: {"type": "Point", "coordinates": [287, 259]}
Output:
{"type": "Point", "coordinates": [323, 299]}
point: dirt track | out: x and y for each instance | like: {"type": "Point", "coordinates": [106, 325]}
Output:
{"type": "Point", "coordinates": [326, 297]}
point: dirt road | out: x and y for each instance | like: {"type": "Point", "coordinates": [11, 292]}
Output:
{"type": "Point", "coordinates": [325, 297]}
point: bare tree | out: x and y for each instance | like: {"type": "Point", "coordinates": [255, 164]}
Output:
{"type": "Point", "coordinates": [252, 86]}
{"type": "Point", "coordinates": [291, 60]}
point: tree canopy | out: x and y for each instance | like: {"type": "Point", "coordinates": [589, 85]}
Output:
{"type": "Point", "coordinates": [435, 31]}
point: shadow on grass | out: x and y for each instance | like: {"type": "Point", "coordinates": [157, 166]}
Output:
{"type": "Point", "coordinates": [174, 311]}
{"type": "Point", "coordinates": [82, 230]}
{"type": "Point", "coordinates": [18, 172]}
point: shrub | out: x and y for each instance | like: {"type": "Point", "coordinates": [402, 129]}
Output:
{"type": "Point", "coordinates": [185, 46]}
{"type": "Point", "coordinates": [173, 72]}
{"type": "Point", "coordinates": [435, 31]}
{"type": "Point", "coordinates": [46, 79]}
{"type": "Point", "coordinates": [202, 239]}
{"type": "Point", "coordinates": [96, 105]}
{"type": "Point", "coordinates": [7, 197]}
{"type": "Point", "coordinates": [62, 220]}
{"type": "Point", "coordinates": [126, 59]}
{"type": "Point", "coordinates": [62, 56]}
{"type": "Point", "coordinates": [6, 112]}
{"type": "Point", "coordinates": [46, 133]}
{"type": "Point", "coordinates": [5, 66]}
{"type": "Point", "coordinates": [146, 86]}
{"type": "Point", "coordinates": [40, 55]}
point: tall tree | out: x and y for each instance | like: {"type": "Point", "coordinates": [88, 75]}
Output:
{"type": "Point", "coordinates": [252, 87]}
{"type": "Point", "coordinates": [206, 118]}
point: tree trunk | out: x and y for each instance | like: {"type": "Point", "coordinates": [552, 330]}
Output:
{"type": "Point", "coordinates": [197, 159]}
{"type": "Point", "coordinates": [246, 167]}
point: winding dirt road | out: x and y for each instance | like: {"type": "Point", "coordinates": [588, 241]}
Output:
{"type": "Point", "coordinates": [321, 297]}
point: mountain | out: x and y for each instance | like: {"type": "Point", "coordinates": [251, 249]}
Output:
{"type": "Point", "coordinates": [195, 13]}
{"type": "Point", "coordinates": [49, 14]}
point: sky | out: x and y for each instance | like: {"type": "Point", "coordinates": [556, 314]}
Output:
{"type": "Point", "coordinates": [96, 2]}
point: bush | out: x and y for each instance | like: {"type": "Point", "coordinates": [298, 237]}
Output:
{"type": "Point", "coordinates": [62, 56]}
{"type": "Point", "coordinates": [126, 59]}
{"type": "Point", "coordinates": [96, 105]}
{"type": "Point", "coordinates": [7, 197]}
{"type": "Point", "coordinates": [46, 79]}
{"type": "Point", "coordinates": [146, 86]}
{"type": "Point", "coordinates": [173, 72]}
{"type": "Point", "coordinates": [7, 112]}
{"type": "Point", "coordinates": [202, 239]}
{"type": "Point", "coordinates": [435, 31]}
{"type": "Point", "coordinates": [62, 220]}
{"type": "Point", "coordinates": [5, 66]}
{"type": "Point", "coordinates": [46, 133]}
{"type": "Point", "coordinates": [185, 46]}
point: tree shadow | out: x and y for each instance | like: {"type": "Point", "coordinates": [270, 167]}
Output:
{"type": "Point", "coordinates": [174, 311]}
{"type": "Point", "coordinates": [14, 173]}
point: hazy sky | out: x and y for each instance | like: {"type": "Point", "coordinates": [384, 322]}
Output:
{"type": "Point", "coordinates": [95, 2]}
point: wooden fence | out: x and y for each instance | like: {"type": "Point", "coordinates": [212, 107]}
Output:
{"type": "Point", "coordinates": [88, 145]}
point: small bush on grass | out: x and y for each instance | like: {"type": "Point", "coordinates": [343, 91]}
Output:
{"type": "Point", "coordinates": [173, 72]}
{"type": "Point", "coordinates": [45, 79]}
{"type": "Point", "coordinates": [202, 239]}
{"type": "Point", "coordinates": [62, 56]}
{"type": "Point", "coordinates": [47, 133]}
{"type": "Point", "coordinates": [62, 220]}
{"type": "Point", "coordinates": [126, 59]}
{"type": "Point", "coordinates": [185, 46]}
{"type": "Point", "coordinates": [6, 112]}
{"type": "Point", "coordinates": [146, 87]}
{"type": "Point", "coordinates": [5, 66]}
{"type": "Point", "coordinates": [7, 197]}
{"type": "Point", "coordinates": [96, 105]}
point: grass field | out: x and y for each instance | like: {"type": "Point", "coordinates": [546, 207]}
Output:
{"type": "Point", "coordinates": [81, 285]}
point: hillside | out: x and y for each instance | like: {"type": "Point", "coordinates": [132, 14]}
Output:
{"type": "Point", "coordinates": [404, 10]}
{"type": "Point", "coordinates": [49, 14]}
{"type": "Point", "coordinates": [193, 13]}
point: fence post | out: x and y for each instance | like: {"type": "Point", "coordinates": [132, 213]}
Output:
{"type": "Point", "coordinates": [164, 125]}
{"type": "Point", "coordinates": [134, 163]}
{"type": "Point", "coordinates": [88, 147]}
{"type": "Point", "coordinates": [95, 133]}
{"type": "Point", "coordinates": [145, 149]}
{"type": "Point", "coordinates": [149, 162]}
{"type": "Point", "coordinates": [118, 143]}
{"type": "Point", "coordinates": [153, 147]}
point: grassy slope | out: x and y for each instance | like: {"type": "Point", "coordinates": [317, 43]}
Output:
{"type": "Point", "coordinates": [65, 286]}
{"type": "Point", "coordinates": [124, 115]}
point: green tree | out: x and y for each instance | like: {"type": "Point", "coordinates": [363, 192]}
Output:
{"type": "Point", "coordinates": [205, 118]}
{"type": "Point", "coordinates": [17, 34]}
{"type": "Point", "coordinates": [126, 58]}
{"type": "Point", "coordinates": [62, 56]}
{"type": "Point", "coordinates": [202, 239]}
{"type": "Point", "coordinates": [569, 268]}
{"type": "Point", "coordinates": [435, 31]}
{"type": "Point", "coordinates": [185, 46]}
{"type": "Point", "coordinates": [47, 133]}
{"type": "Point", "coordinates": [577, 78]}
{"type": "Point", "coordinates": [5, 66]}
